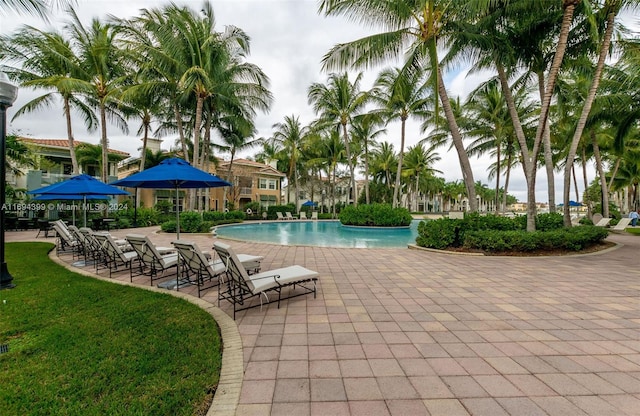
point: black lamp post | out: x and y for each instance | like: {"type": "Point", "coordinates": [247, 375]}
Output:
{"type": "Point", "coordinates": [8, 95]}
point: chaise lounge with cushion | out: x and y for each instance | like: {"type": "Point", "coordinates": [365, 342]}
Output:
{"type": "Point", "coordinates": [198, 269]}
{"type": "Point", "coordinates": [241, 287]}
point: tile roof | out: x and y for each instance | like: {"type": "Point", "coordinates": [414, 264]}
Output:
{"type": "Point", "coordinates": [264, 168]}
{"type": "Point", "coordinates": [64, 143]}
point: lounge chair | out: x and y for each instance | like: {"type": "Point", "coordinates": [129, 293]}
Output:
{"type": "Point", "coordinates": [288, 216]}
{"type": "Point", "coordinates": [303, 215]}
{"type": "Point", "coordinates": [66, 241]}
{"type": "Point", "coordinates": [622, 224]}
{"type": "Point", "coordinates": [242, 287]}
{"type": "Point", "coordinates": [279, 215]}
{"type": "Point", "coordinates": [314, 215]}
{"type": "Point", "coordinates": [199, 270]}
{"type": "Point", "coordinates": [603, 222]}
{"type": "Point", "coordinates": [154, 261]}
{"type": "Point", "coordinates": [112, 255]}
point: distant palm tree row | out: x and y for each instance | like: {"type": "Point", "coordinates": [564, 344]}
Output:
{"type": "Point", "coordinates": [564, 93]}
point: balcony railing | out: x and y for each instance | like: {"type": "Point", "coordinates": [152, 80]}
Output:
{"type": "Point", "coordinates": [245, 190]}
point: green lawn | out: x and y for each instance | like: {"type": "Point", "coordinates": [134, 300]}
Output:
{"type": "Point", "coordinates": [80, 346]}
{"type": "Point", "coordinates": [632, 230]}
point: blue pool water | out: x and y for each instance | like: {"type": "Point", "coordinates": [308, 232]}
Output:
{"type": "Point", "coordinates": [322, 234]}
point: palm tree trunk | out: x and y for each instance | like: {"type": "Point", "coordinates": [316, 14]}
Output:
{"type": "Point", "coordinates": [603, 179]}
{"type": "Point", "coordinates": [366, 172]}
{"type": "Point", "coordinates": [463, 157]}
{"type": "Point", "coordinates": [507, 176]}
{"type": "Point", "coordinates": [183, 141]}
{"type": "Point", "coordinates": [72, 146]}
{"type": "Point", "coordinates": [615, 172]}
{"type": "Point", "coordinates": [548, 156]}
{"type": "Point", "coordinates": [105, 143]}
{"type": "Point", "coordinates": [586, 109]}
{"type": "Point", "coordinates": [347, 148]}
{"type": "Point", "coordinates": [575, 183]}
{"type": "Point", "coordinates": [497, 198]}
{"type": "Point", "coordinates": [396, 188]}
{"type": "Point", "coordinates": [528, 159]}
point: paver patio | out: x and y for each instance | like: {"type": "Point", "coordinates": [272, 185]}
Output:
{"type": "Point", "coordinates": [409, 332]}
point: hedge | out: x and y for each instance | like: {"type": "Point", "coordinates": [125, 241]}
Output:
{"type": "Point", "coordinates": [377, 215]}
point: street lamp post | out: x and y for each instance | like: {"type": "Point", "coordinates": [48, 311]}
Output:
{"type": "Point", "coordinates": [8, 95]}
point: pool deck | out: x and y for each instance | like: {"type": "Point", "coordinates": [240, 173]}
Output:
{"type": "Point", "coordinates": [411, 332]}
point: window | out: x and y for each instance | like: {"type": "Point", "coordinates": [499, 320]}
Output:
{"type": "Point", "coordinates": [267, 200]}
{"type": "Point", "coordinates": [67, 168]}
{"type": "Point", "coordinates": [264, 183]}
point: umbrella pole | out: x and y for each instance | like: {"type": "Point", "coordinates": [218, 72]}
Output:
{"type": "Point", "coordinates": [84, 202]}
{"type": "Point", "coordinates": [177, 213]}
{"type": "Point", "coordinates": [73, 214]}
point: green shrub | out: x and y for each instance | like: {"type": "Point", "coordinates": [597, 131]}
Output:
{"type": "Point", "coordinates": [190, 222]}
{"type": "Point", "coordinates": [575, 238]}
{"type": "Point", "coordinates": [441, 233]}
{"type": "Point", "coordinates": [549, 221]}
{"type": "Point", "coordinates": [235, 215]}
{"type": "Point", "coordinates": [123, 223]}
{"type": "Point", "coordinates": [378, 215]}
{"type": "Point", "coordinates": [500, 234]}
{"type": "Point", "coordinates": [212, 216]}
{"type": "Point", "coordinates": [169, 226]}
{"type": "Point", "coordinates": [585, 221]}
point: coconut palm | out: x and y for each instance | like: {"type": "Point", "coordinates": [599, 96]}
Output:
{"type": "Point", "coordinates": [104, 66]}
{"type": "Point", "coordinates": [608, 13]}
{"type": "Point", "coordinates": [40, 8]}
{"type": "Point", "coordinates": [336, 103]}
{"type": "Point", "coordinates": [413, 29]}
{"type": "Point", "coordinates": [418, 166]}
{"type": "Point", "coordinates": [401, 95]}
{"type": "Point", "coordinates": [47, 61]}
{"type": "Point", "coordinates": [291, 136]}
{"type": "Point", "coordinates": [365, 128]}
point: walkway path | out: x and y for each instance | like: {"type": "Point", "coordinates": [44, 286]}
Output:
{"type": "Point", "coordinates": [408, 332]}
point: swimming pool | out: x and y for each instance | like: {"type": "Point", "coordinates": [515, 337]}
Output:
{"type": "Point", "coordinates": [321, 234]}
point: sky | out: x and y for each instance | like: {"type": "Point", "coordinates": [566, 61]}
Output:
{"type": "Point", "coordinates": [288, 40]}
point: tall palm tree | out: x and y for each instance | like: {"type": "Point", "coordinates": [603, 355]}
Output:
{"type": "Point", "coordinates": [39, 8]}
{"type": "Point", "coordinates": [365, 128]}
{"type": "Point", "coordinates": [401, 94]}
{"type": "Point", "coordinates": [104, 66]}
{"type": "Point", "coordinates": [336, 103]}
{"type": "Point", "coordinates": [47, 61]}
{"type": "Point", "coordinates": [384, 162]}
{"type": "Point", "coordinates": [291, 136]}
{"type": "Point", "coordinates": [418, 166]}
{"type": "Point", "coordinates": [608, 12]}
{"type": "Point", "coordinates": [413, 29]}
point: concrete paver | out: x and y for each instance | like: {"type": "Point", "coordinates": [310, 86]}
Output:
{"type": "Point", "coordinates": [398, 331]}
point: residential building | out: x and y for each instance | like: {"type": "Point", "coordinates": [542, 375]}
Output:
{"type": "Point", "coordinates": [252, 182]}
{"type": "Point", "coordinates": [53, 164]}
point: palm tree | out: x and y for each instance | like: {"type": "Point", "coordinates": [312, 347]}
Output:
{"type": "Point", "coordinates": [417, 167]}
{"type": "Point", "coordinates": [609, 12]}
{"type": "Point", "coordinates": [48, 61]}
{"type": "Point", "coordinates": [364, 130]}
{"type": "Point", "coordinates": [383, 163]}
{"type": "Point", "coordinates": [103, 65]}
{"type": "Point", "coordinates": [401, 94]}
{"type": "Point", "coordinates": [18, 155]}
{"type": "Point", "coordinates": [337, 102]}
{"type": "Point", "coordinates": [40, 8]}
{"type": "Point", "coordinates": [155, 158]}
{"type": "Point", "coordinates": [291, 136]}
{"type": "Point", "coordinates": [91, 154]}
{"type": "Point", "coordinates": [413, 29]}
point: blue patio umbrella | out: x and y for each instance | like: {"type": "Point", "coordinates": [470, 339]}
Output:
{"type": "Point", "coordinates": [309, 204]}
{"type": "Point", "coordinates": [81, 186]}
{"type": "Point", "coordinates": [172, 173]}
{"type": "Point", "coordinates": [58, 197]}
